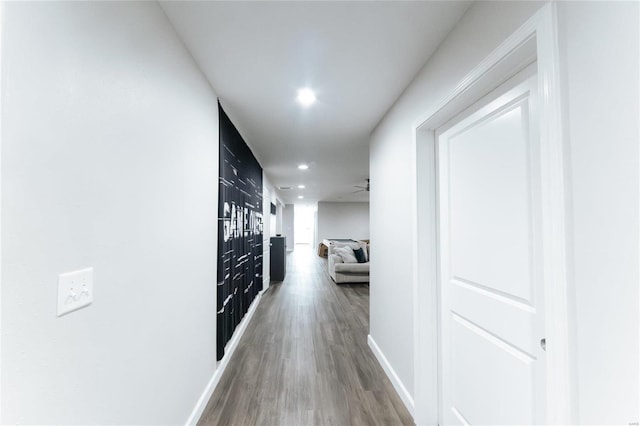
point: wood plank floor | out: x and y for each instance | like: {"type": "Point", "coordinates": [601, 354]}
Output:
{"type": "Point", "coordinates": [304, 359]}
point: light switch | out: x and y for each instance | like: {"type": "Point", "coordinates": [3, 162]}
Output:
{"type": "Point", "coordinates": [75, 290]}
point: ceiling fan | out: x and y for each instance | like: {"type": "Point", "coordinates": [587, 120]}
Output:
{"type": "Point", "coordinates": [362, 188]}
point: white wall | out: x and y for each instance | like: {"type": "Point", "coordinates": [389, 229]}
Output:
{"type": "Point", "coordinates": [343, 220]}
{"type": "Point", "coordinates": [600, 50]}
{"type": "Point", "coordinates": [279, 214]}
{"type": "Point", "coordinates": [270, 195]}
{"type": "Point", "coordinates": [392, 198]}
{"type": "Point", "coordinates": [315, 227]}
{"type": "Point", "coordinates": [267, 190]}
{"type": "Point", "coordinates": [288, 225]}
{"type": "Point", "coordinates": [109, 160]}
{"type": "Point", "coordinates": [599, 42]}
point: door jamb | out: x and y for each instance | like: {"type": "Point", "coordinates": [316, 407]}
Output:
{"type": "Point", "coordinates": [536, 40]}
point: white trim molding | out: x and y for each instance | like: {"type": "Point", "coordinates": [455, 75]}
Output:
{"type": "Point", "coordinates": [230, 348]}
{"type": "Point", "coordinates": [1, 102]}
{"type": "Point", "coordinates": [535, 41]}
{"type": "Point", "coordinates": [405, 396]}
{"type": "Point", "coordinates": [552, 147]}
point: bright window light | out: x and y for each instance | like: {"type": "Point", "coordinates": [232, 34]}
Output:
{"type": "Point", "coordinates": [303, 167]}
{"type": "Point", "coordinates": [306, 97]}
{"type": "Point", "coordinates": [300, 197]}
{"type": "Point", "coordinates": [301, 186]}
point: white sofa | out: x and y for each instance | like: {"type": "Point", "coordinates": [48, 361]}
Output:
{"type": "Point", "coordinates": [342, 272]}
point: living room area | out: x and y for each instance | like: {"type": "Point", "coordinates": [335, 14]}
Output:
{"type": "Point", "coordinates": [337, 231]}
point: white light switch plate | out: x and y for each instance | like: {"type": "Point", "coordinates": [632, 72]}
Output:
{"type": "Point", "coordinates": [75, 290]}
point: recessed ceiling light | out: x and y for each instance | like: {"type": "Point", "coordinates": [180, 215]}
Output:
{"type": "Point", "coordinates": [306, 97]}
{"type": "Point", "coordinates": [303, 167]}
{"type": "Point", "coordinates": [301, 186]}
{"type": "Point", "coordinates": [300, 197]}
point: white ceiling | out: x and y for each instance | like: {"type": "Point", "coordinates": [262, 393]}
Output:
{"type": "Point", "coordinates": [358, 57]}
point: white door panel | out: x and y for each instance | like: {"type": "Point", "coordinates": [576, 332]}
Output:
{"type": "Point", "coordinates": [488, 203]}
{"type": "Point", "coordinates": [489, 311]}
{"type": "Point", "coordinates": [497, 393]}
{"type": "Point", "coordinates": [492, 370]}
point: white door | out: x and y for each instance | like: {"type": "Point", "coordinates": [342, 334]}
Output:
{"type": "Point", "coordinates": [492, 318]}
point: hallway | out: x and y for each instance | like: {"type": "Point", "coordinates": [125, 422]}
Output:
{"type": "Point", "coordinates": [304, 358]}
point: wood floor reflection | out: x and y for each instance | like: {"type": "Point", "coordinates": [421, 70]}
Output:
{"type": "Point", "coordinates": [304, 359]}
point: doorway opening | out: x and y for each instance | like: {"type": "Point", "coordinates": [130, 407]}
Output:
{"type": "Point", "coordinates": [304, 225]}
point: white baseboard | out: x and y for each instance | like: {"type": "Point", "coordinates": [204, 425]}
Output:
{"type": "Point", "coordinates": [222, 364]}
{"type": "Point", "coordinates": [395, 380]}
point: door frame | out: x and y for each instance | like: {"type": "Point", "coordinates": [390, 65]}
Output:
{"type": "Point", "coordinates": [535, 41]}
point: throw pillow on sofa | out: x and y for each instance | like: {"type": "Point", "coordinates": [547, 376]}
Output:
{"type": "Point", "coordinates": [347, 255]}
{"type": "Point", "coordinates": [363, 246]}
{"type": "Point", "coordinates": [360, 256]}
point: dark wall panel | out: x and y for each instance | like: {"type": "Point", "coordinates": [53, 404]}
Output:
{"type": "Point", "coordinates": [240, 229]}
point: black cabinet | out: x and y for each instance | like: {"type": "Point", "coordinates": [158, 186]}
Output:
{"type": "Point", "coordinates": [278, 258]}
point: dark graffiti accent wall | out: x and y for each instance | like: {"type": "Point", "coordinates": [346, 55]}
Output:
{"type": "Point", "coordinates": [239, 231]}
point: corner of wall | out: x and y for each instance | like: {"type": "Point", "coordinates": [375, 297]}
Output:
{"type": "Point", "coordinates": [397, 383]}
